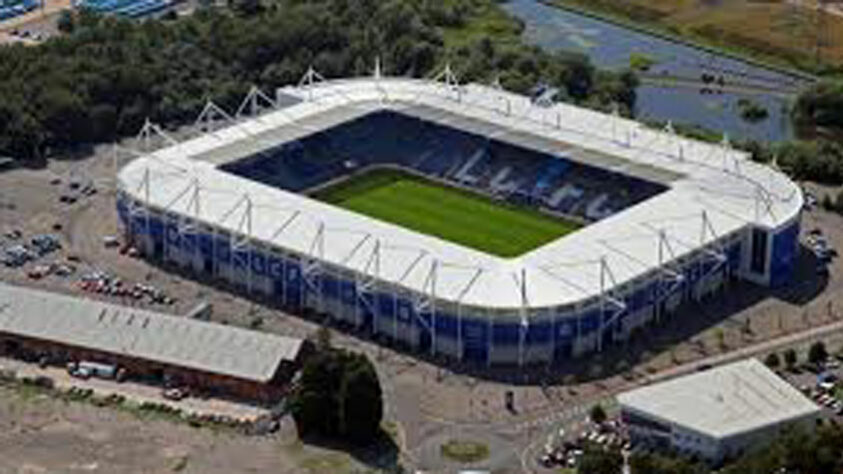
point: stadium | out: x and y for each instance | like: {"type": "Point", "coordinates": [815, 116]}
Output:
{"type": "Point", "coordinates": [462, 220]}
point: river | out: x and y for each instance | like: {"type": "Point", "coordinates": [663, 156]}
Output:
{"type": "Point", "coordinates": [610, 46]}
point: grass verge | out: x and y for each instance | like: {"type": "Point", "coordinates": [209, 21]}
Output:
{"type": "Point", "coordinates": [464, 451]}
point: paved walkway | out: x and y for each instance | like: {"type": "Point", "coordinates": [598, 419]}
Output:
{"type": "Point", "coordinates": [796, 340]}
{"type": "Point", "coordinates": [136, 392]}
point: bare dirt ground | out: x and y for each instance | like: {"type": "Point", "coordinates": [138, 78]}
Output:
{"type": "Point", "coordinates": [40, 23]}
{"type": "Point", "coordinates": [425, 400]}
{"type": "Point", "coordinates": [39, 434]}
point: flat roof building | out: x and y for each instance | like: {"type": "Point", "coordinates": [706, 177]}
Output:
{"type": "Point", "coordinates": [716, 413]}
{"type": "Point", "coordinates": [214, 356]}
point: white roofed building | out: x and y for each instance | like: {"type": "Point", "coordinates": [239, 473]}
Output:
{"type": "Point", "coordinates": [716, 413]}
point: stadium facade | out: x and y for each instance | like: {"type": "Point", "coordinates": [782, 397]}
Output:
{"type": "Point", "coordinates": [669, 219]}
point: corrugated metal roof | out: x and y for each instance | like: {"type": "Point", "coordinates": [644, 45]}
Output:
{"type": "Point", "coordinates": [723, 401]}
{"type": "Point", "coordinates": [138, 333]}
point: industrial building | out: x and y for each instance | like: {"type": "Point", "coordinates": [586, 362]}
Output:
{"type": "Point", "coordinates": [681, 220]}
{"type": "Point", "coordinates": [216, 359]}
{"type": "Point", "coordinates": [717, 413]}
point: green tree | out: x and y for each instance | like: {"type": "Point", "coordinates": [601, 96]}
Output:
{"type": "Point", "coordinates": [796, 452]}
{"type": "Point", "coordinates": [107, 75]}
{"type": "Point", "coordinates": [65, 22]}
{"type": "Point", "coordinates": [361, 406]}
{"type": "Point", "coordinates": [596, 460]}
{"type": "Point", "coordinates": [598, 414]}
{"type": "Point", "coordinates": [790, 358]}
{"type": "Point", "coordinates": [657, 463]}
{"type": "Point", "coordinates": [339, 396]}
{"type": "Point", "coordinates": [817, 353]}
{"type": "Point", "coordinates": [772, 360]}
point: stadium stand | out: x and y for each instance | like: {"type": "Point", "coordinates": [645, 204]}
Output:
{"type": "Point", "coordinates": [493, 167]}
{"type": "Point", "coordinates": [686, 217]}
{"type": "Point", "coordinates": [126, 8]}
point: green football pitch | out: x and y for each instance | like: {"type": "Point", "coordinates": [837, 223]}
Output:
{"type": "Point", "coordinates": [448, 213]}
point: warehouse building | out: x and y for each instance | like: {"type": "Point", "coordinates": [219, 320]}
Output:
{"type": "Point", "coordinates": [717, 413]}
{"type": "Point", "coordinates": [213, 358]}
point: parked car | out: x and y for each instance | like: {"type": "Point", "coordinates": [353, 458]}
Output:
{"type": "Point", "coordinates": [176, 393]}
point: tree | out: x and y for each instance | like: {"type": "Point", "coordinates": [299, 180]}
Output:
{"type": "Point", "coordinates": [657, 463]}
{"type": "Point", "coordinates": [790, 358]}
{"type": "Point", "coordinates": [65, 22]}
{"type": "Point", "coordinates": [323, 338]}
{"type": "Point", "coordinates": [107, 75]}
{"type": "Point", "coordinates": [361, 406]}
{"type": "Point", "coordinates": [817, 353]}
{"type": "Point", "coordinates": [772, 360]}
{"type": "Point", "coordinates": [596, 460]}
{"type": "Point", "coordinates": [797, 452]}
{"type": "Point", "coordinates": [246, 7]}
{"type": "Point", "coordinates": [598, 414]}
{"type": "Point", "coordinates": [339, 396]}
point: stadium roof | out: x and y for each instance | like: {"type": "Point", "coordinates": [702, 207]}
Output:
{"type": "Point", "coordinates": [714, 191]}
{"type": "Point", "coordinates": [142, 334]}
{"type": "Point", "coordinates": [723, 401]}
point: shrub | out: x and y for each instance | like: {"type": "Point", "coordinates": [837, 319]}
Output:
{"type": "Point", "coordinates": [598, 414]}
{"type": "Point", "coordinates": [817, 353]}
{"type": "Point", "coordinates": [790, 358]}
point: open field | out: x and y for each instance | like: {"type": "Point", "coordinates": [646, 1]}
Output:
{"type": "Point", "coordinates": [451, 214]}
{"type": "Point", "coordinates": [791, 32]}
{"type": "Point", "coordinates": [42, 434]}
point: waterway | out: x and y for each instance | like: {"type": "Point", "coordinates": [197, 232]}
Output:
{"type": "Point", "coordinates": [610, 46]}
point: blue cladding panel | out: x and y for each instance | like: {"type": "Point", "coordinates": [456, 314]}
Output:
{"type": "Point", "coordinates": [173, 236]}
{"type": "Point", "coordinates": [589, 322]}
{"type": "Point", "coordinates": [734, 256]}
{"type": "Point", "coordinates": [566, 329]}
{"type": "Point", "coordinates": [258, 263]}
{"type": "Point", "coordinates": [348, 293]}
{"type": "Point", "coordinates": [475, 340]}
{"type": "Point", "coordinates": [330, 287]}
{"type": "Point", "coordinates": [123, 209]}
{"type": "Point", "coordinates": [206, 245]}
{"type": "Point", "coordinates": [276, 268]}
{"type": "Point", "coordinates": [293, 282]}
{"type": "Point", "coordinates": [240, 258]}
{"type": "Point", "coordinates": [539, 333]}
{"type": "Point", "coordinates": [405, 311]}
{"type": "Point", "coordinates": [423, 321]}
{"type": "Point", "coordinates": [139, 225]}
{"type": "Point", "coordinates": [505, 334]}
{"type": "Point", "coordinates": [156, 228]}
{"type": "Point", "coordinates": [223, 250]}
{"type": "Point", "coordinates": [386, 305]}
{"type": "Point", "coordinates": [188, 243]}
{"type": "Point", "coordinates": [446, 325]}
{"type": "Point", "coordinates": [785, 248]}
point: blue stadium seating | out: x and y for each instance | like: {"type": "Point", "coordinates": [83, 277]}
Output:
{"type": "Point", "coordinates": [435, 150]}
{"type": "Point", "coordinates": [126, 8]}
{"type": "Point", "coordinates": [13, 8]}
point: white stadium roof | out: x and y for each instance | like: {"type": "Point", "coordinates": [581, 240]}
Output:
{"type": "Point", "coordinates": [723, 401]}
{"type": "Point", "coordinates": [142, 334]}
{"type": "Point", "coordinates": [704, 180]}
